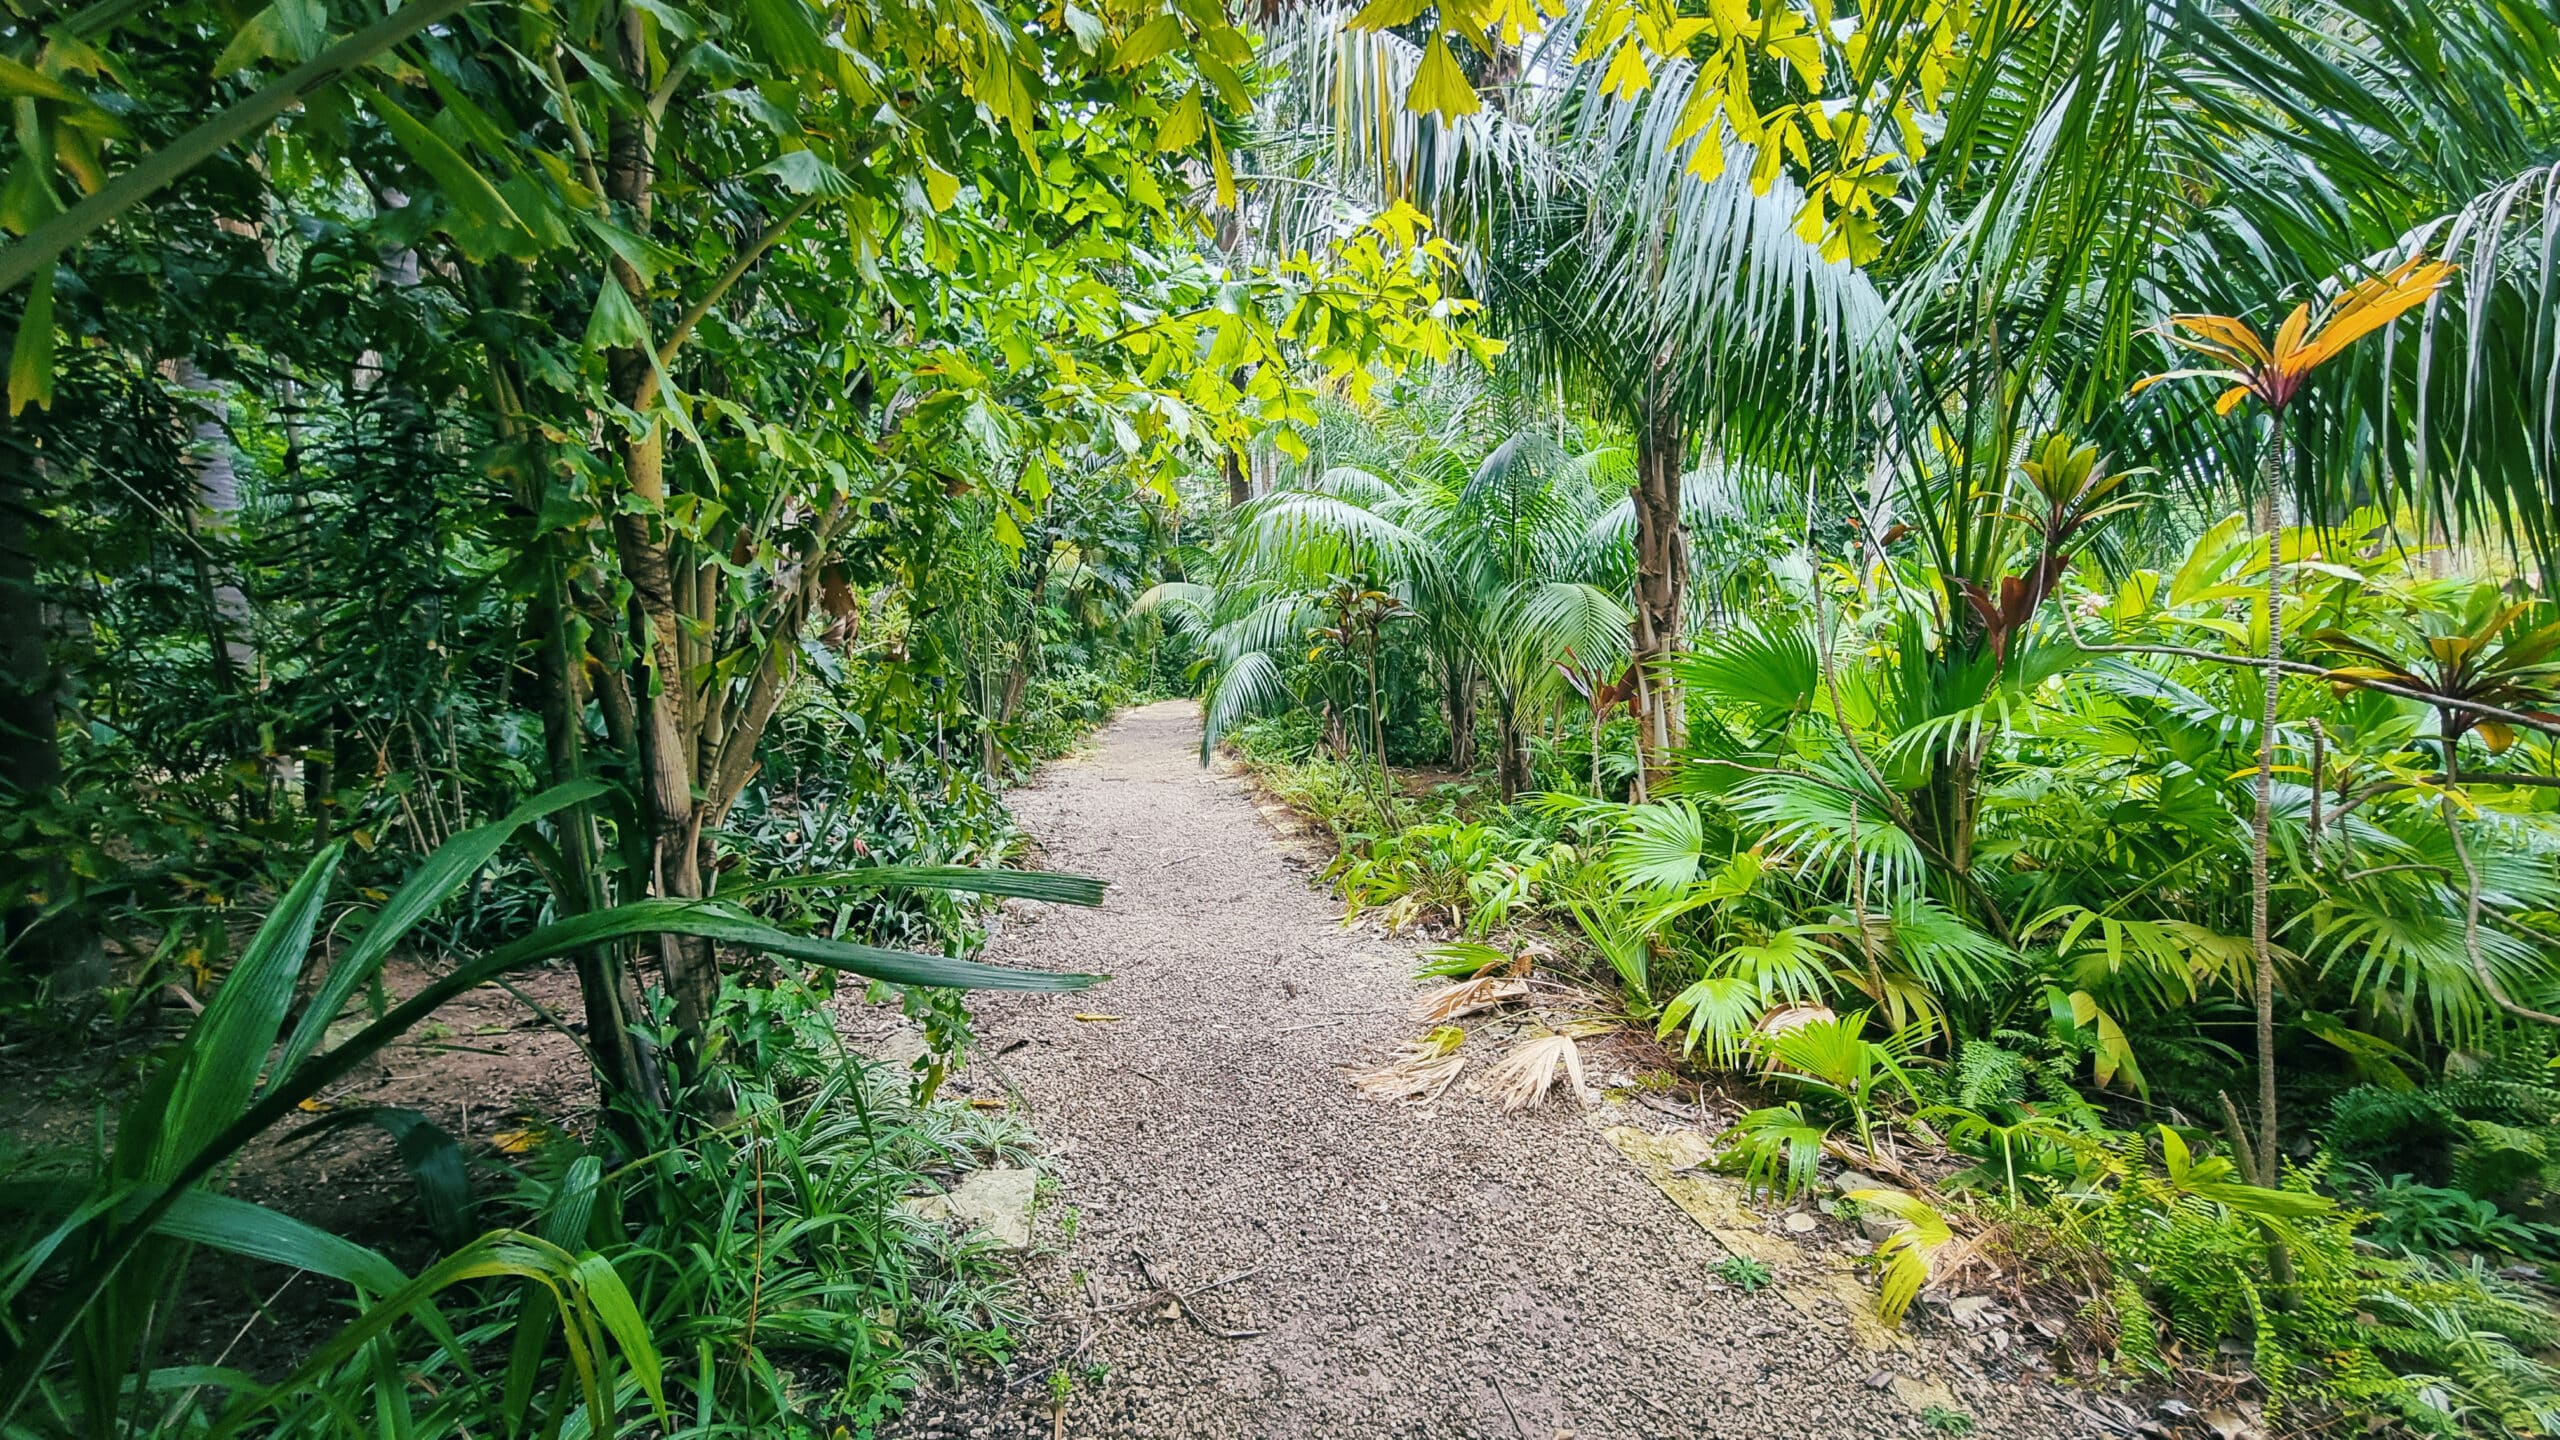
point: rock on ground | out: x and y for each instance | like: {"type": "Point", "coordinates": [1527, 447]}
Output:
{"type": "Point", "coordinates": [1403, 1273]}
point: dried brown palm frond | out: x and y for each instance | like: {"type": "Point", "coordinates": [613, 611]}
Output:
{"type": "Point", "coordinates": [1522, 1078]}
{"type": "Point", "coordinates": [1467, 997]}
{"type": "Point", "coordinates": [1793, 1017]}
{"type": "Point", "coordinates": [1429, 1066]}
{"type": "Point", "coordinates": [1418, 1077]}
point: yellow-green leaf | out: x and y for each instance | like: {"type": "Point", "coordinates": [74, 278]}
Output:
{"type": "Point", "coordinates": [1181, 129]}
{"type": "Point", "coordinates": [941, 187]}
{"type": "Point", "coordinates": [1387, 14]}
{"type": "Point", "coordinates": [31, 358]}
{"type": "Point", "coordinates": [1439, 86]}
{"type": "Point", "coordinates": [1147, 42]}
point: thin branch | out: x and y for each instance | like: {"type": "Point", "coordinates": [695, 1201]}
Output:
{"type": "Point", "coordinates": [738, 267]}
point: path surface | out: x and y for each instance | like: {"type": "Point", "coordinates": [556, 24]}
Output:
{"type": "Point", "coordinates": [1456, 1274]}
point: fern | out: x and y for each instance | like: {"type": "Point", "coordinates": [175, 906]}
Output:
{"type": "Point", "coordinates": [1987, 1074]}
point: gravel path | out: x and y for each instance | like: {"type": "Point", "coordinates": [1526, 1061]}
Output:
{"type": "Point", "coordinates": [1454, 1274]}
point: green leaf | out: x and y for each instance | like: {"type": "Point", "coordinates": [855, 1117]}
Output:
{"type": "Point", "coordinates": [485, 224]}
{"type": "Point", "coordinates": [806, 172]}
{"type": "Point", "coordinates": [285, 30]}
{"type": "Point", "coordinates": [27, 200]}
{"type": "Point", "coordinates": [437, 879]}
{"type": "Point", "coordinates": [164, 167]}
{"type": "Point", "coordinates": [17, 78]}
{"type": "Point", "coordinates": [616, 323]}
{"type": "Point", "coordinates": [673, 21]}
{"type": "Point", "coordinates": [941, 187]}
{"type": "Point", "coordinates": [1053, 886]}
{"type": "Point", "coordinates": [222, 1222]}
{"type": "Point", "coordinates": [31, 354]}
{"type": "Point", "coordinates": [1087, 27]}
{"type": "Point", "coordinates": [432, 1157]}
{"type": "Point", "coordinates": [788, 33]}
{"type": "Point", "coordinates": [1388, 14]}
{"type": "Point", "coordinates": [647, 258]}
{"type": "Point", "coordinates": [1182, 127]}
{"type": "Point", "coordinates": [215, 1071]}
{"type": "Point", "coordinates": [238, 1227]}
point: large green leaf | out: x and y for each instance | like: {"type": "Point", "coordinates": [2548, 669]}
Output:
{"type": "Point", "coordinates": [482, 220]}
{"type": "Point", "coordinates": [709, 919]}
{"type": "Point", "coordinates": [427, 1151]}
{"type": "Point", "coordinates": [216, 1069]}
{"type": "Point", "coordinates": [1049, 885]}
{"type": "Point", "coordinates": [223, 1222]}
{"type": "Point", "coordinates": [430, 885]}
{"type": "Point", "coordinates": [165, 166]}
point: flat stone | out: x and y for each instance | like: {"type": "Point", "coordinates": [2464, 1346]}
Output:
{"type": "Point", "coordinates": [1880, 1225]}
{"type": "Point", "coordinates": [1849, 1180]}
{"type": "Point", "coordinates": [901, 1047]}
{"type": "Point", "coordinates": [1000, 1201]}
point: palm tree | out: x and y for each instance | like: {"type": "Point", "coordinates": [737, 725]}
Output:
{"type": "Point", "coordinates": [1489, 554]}
{"type": "Point", "coordinates": [1632, 260]}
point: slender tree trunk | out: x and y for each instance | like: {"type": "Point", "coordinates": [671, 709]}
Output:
{"type": "Point", "coordinates": [646, 550]}
{"type": "Point", "coordinates": [1460, 697]}
{"type": "Point", "coordinates": [1662, 575]}
{"type": "Point", "coordinates": [1377, 718]}
{"type": "Point", "coordinates": [1511, 760]}
{"type": "Point", "coordinates": [217, 477]}
{"type": "Point", "coordinates": [622, 1062]}
{"type": "Point", "coordinates": [2261, 945]}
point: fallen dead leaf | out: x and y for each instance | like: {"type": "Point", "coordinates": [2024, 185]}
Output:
{"type": "Point", "coordinates": [1467, 997]}
{"type": "Point", "coordinates": [1421, 1077]}
{"type": "Point", "coordinates": [1522, 1078]}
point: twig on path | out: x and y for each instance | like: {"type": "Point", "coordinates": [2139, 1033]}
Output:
{"type": "Point", "coordinates": [1516, 1427]}
{"type": "Point", "coordinates": [1166, 1291]}
{"type": "Point", "coordinates": [1150, 1079]}
{"type": "Point", "coordinates": [1315, 1025]}
{"type": "Point", "coordinates": [1672, 1108]}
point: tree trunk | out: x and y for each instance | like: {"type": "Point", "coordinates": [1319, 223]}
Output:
{"type": "Point", "coordinates": [646, 550]}
{"type": "Point", "coordinates": [1239, 483]}
{"type": "Point", "coordinates": [2261, 947]}
{"type": "Point", "coordinates": [622, 1062]}
{"type": "Point", "coordinates": [1459, 696]}
{"type": "Point", "coordinates": [1662, 575]}
{"type": "Point", "coordinates": [1511, 758]}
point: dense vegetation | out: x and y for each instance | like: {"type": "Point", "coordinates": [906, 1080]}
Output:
{"type": "Point", "coordinates": [622, 486]}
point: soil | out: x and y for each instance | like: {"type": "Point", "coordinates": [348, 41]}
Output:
{"type": "Point", "coordinates": [488, 1064]}
{"type": "Point", "coordinates": [1356, 1268]}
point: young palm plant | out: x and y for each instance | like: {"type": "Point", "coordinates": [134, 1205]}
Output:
{"type": "Point", "coordinates": [2482, 651]}
{"type": "Point", "coordinates": [2273, 372]}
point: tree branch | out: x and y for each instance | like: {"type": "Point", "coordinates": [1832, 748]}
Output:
{"type": "Point", "coordinates": [692, 317]}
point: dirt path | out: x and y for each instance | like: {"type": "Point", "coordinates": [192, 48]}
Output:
{"type": "Point", "coordinates": [1453, 1274]}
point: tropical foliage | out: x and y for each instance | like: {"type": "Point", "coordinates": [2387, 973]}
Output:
{"type": "Point", "coordinates": [1699, 497]}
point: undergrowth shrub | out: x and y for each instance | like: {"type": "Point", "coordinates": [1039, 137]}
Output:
{"type": "Point", "coordinates": [780, 1244]}
{"type": "Point", "coordinates": [2185, 1256]}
